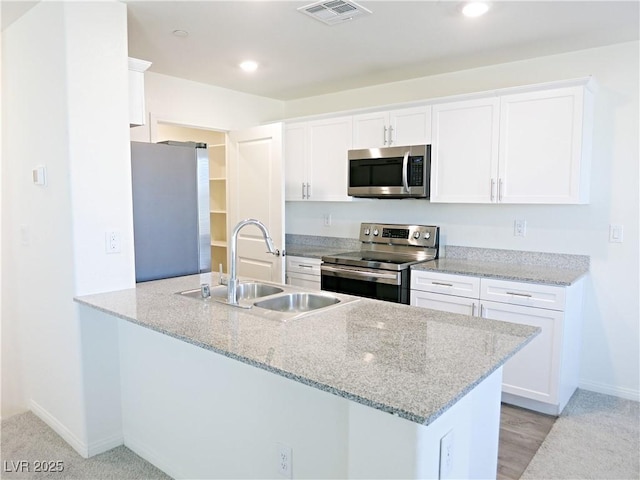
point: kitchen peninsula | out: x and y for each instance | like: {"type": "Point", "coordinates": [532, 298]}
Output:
{"type": "Point", "coordinates": [361, 389]}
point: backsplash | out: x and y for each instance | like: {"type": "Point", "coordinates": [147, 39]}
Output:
{"type": "Point", "coordinates": [543, 259]}
{"type": "Point", "coordinates": [324, 242]}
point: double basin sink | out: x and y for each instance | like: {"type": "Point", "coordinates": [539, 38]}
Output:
{"type": "Point", "coordinates": [271, 298]}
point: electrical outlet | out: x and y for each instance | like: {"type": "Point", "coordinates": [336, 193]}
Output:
{"type": "Point", "coordinates": [446, 455]}
{"type": "Point", "coordinates": [520, 228]}
{"type": "Point", "coordinates": [113, 243]}
{"type": "Point", "coordinates": [327, 219]}
{"type": "Point", "coordinates": [285, 463]}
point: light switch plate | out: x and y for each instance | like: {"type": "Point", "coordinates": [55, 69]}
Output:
{"type": "Point", "coordinates": [616, 233]}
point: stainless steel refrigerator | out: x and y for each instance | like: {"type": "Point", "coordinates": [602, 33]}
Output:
{"type": "Point", "coordinates": [170, 185]}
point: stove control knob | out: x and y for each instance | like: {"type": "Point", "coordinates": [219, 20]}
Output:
{"type": "Point", "coordinates": [427, 236]}
{"type": "Point", "coordinates": [367, 231]}
{"type": "Point", "coordinates": [375, 232]}
{"type": "Point", "coordinates": [416, 235]}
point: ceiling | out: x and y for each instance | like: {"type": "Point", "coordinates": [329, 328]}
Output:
{"type": "Point", "coordinates": [300, 56]}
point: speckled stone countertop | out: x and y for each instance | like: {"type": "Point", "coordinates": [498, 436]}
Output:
{"type": "Point", "coordinates": [312, 246]}
{"type": "Point", "coordinates": [521, 272]}
{"type": "Point", "coordinates": [517, 265]}
{"type": "Point", "coordinates": [409, 361]}
{"type": "Point", "coordinates": [312, 251]}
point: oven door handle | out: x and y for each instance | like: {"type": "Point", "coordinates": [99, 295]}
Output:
{"type": "Point", "coordinates": [390, 278]}
{"type": "Point", "coordinates": [405, 172]}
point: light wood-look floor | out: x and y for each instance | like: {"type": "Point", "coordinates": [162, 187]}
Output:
{"type": "Point", "coordinates": [521, 433]}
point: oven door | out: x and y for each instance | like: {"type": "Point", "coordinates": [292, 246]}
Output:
{"type": "Point", "coordinates": [391, 286]}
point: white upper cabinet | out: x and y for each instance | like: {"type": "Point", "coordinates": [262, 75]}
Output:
{"type": "Point", "coordinates": [406, 126]}
{"type": "Point", "coordinates": [316, 159]}
{"type": "Point", "coordinates": [464, 153]}
{"type": "Point", "coordinates": [545, 147]}
{"type": "Point", "coordinates": [528, 147]}
{"type": "Point", "coordinates": [295, 161]}
{"type": "Point", "coordinates": [136, 91]}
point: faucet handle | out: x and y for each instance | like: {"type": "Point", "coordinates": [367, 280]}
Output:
{"type": "Point", "coordinates": [222, 279]}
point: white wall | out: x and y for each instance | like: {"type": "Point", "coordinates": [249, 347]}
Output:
{"type": "Point", "coordinates": [183, 102]}
{"type": "Point", "coordinates": [611, 337]}
{"type": "Point", "coordinates": [65, 88]}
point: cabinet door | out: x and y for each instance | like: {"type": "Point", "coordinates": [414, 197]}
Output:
{"type": "Point", "coordinates": [370, 130]}
{"type": "Point", "coordinates": [541, 147]}
{"type": "Point", "coordinates": [137, 113]}
{"type": "Point", "coordinates": [533, 372]}
{"type": "Point", "coordinates": [327, 170]}
{"type": "Point", "coordinates": [464, 155]}
{"type": "Point", "coordinates": [295, 156]}
{"type": "Point", "coordinates": [444, 303]}
{"type": "Point", "coordinates": [410, 126]}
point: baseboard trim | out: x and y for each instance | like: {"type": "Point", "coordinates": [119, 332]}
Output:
{"type": "Point", "coordinates": [529, 404]}
{"type": "Point", "coordinates": [105, 444]}
{"type": "Point", "coordinates": [58, 427]}
{"type": "Point", "coordinates": [84, 449]}
{"type": "Point", "coordinates": [152, 457]}
{"type": "Point", "coordinates": [626, 393]}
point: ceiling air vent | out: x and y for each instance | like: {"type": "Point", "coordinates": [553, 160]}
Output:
{"type": "Point", "coordinates": [334, 11]}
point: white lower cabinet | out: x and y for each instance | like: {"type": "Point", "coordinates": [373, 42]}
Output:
{"type": "Point", "coordinates": [544, 374]}
{"type": "Point", "coordinates": [534, 371]}
{"type": "Point", "coordinates": [303, 272]}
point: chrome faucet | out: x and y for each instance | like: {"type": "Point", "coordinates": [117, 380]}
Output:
{"type": "Point", "coordinates": [232, 283]}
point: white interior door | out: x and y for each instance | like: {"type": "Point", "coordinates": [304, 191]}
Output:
{"type": "Point", "coordinates": [256, 190]}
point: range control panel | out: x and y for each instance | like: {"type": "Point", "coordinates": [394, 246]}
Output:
{"type": "Point", "coordinates": [413, 235]}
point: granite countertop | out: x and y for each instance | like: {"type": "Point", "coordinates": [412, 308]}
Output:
{"type": "Point", "coordinates": [311, 251]}
{"type": "Point", "coordinates": [505, 271]}
{"type": "Point", "coordinates": [312, 246]}
{"type": "Point", "coordinates": [522, 266]}
{"type": "Point", "coordinates": [409, 361]}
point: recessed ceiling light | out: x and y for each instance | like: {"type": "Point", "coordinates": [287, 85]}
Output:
{"type": "Point", "coordinates": [249, 66]}
{"type": "Point", "coordinates": [180, 33]}
{"type": "Point", "coordinates": [475, 9]}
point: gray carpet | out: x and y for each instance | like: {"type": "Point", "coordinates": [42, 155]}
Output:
{"type": "Point", "coordinates": [25, 440]}
{"type": "Point", "coordinates": [596, 437]}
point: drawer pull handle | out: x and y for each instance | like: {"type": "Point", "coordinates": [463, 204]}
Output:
{"type": "Point", "coordinates": [305, 266]}
{"type": "Point", "coordinates": [519, 294]}
{"type": "Point", "coordinates": [442, 284]}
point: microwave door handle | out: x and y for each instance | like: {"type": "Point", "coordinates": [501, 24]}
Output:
{"type": "Point", "coordinates": [405, 171]}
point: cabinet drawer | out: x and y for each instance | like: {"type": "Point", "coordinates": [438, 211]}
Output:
{"type": "Point", "coordinates": [445, 283]}
{"type": "Point", "coordinates": [525, 294]}
{"type": "Point", "coordinates": [306, 265]}
{"type": "Point", "coordinates": [444, 303]}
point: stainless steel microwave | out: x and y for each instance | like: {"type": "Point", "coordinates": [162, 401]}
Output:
{"type": "Point", "coordinates": [390, 172]}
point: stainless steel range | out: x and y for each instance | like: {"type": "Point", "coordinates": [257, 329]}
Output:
{"type": "Point", "coordinates": [381, 268]}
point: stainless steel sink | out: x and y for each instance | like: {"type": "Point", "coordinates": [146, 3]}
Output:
{"type": "Point", "coordinates": [297, 302]}
{"type": "Point", "coordinates": [246, 291]}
